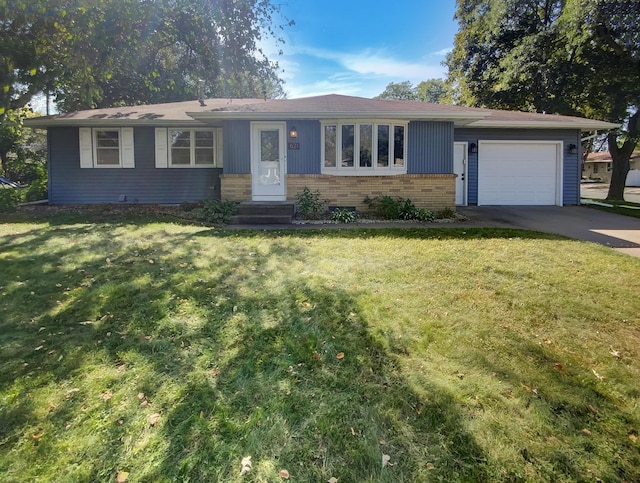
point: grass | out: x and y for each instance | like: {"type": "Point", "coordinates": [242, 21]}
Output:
{"type": "Point", "coordinates": [626, 208]}
{"type": "Point", "coordinates": [171, 352]}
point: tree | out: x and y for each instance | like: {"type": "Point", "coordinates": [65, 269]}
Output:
{"type": "Point", "coordinates": [575, 57]}
{"type": "Point", "coordinates": [113, 52]}
{"type": "Point", "coordinates": [432, 90]}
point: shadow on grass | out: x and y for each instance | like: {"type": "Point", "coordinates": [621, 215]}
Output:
{"type": "Point", "coordinates": [237, 360]}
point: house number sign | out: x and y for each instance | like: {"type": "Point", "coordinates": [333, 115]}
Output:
{"type": "Point", "coordinates": [294, 146]}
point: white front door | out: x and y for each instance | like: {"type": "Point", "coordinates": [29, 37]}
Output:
{"type": "Point", "coordinates": [460, 169]}
{"type": "Point", "coordinates": [268, 161]}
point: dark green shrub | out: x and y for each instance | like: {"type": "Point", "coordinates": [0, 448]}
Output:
{"type": "Point", "coordinates": [344, 215]}
{"type": "Point", "coordinates": [9, 199]}
{"type": "Point", "coordinates": [397, 208]}
{"type": "Point", "coordinates": [310, 206]}
{"type": "Point", "coordinates": [216, 211]}
{"type": "Point", "coordinates": [446, 213]}
{"type": "Point", "coordinates": [37, 190]}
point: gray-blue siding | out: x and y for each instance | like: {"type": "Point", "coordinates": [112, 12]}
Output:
{"type": "Point", "coordinates": [69, 184]}
{"type": "Point", "coordinates": [571, 167]}
{"type": "Point", "coordinates": [429, 148]}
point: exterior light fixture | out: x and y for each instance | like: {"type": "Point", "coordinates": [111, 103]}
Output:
{"type": "Point", "coordinates": [293, 132]}
{"type": "Point", "coordinates": [473, 148]}
{"type": "Point", "coordinates": [573, 149]}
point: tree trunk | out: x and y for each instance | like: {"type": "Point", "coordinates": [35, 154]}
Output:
{"type": "Point", "coordinates": [3, 164]}
{"type": "Point", "coordinates": [620, 156]}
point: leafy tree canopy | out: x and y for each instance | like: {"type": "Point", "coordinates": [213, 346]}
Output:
{"type": "Point", "coordinates": [100, 53]}
{"type": "Point", "coordinates": [562, 56]}
{"type": "Point", "coordinates": [432, 90]}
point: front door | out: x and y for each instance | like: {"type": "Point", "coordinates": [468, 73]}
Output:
{"type": "Point", "coordinates": [460, 169]}
{"type": "Point", "coordinates": [268, 161]}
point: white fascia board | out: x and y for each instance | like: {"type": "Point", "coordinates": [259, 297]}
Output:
{"type": "Point", "coordinates": [42, 123]}
{"type": "Point", "coordinates": [583, 126]}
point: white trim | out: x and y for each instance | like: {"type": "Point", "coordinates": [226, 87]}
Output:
{"type": "Point", "coordinates": [582, 124]}
{"type": "Point", "coordinates": [192, 148]}
{"type": "Point", "coordinates": [127, 153]}
{"type": "Point", "coordinates": [465, 164]}
{"type": "Point", "coordinates": [162, 156]}
{"type": "Point", "coordinates": [94, 137]}
{"type": "Point", "coordinates": [559, 199]}
{"type": "Point", "coordinates": [86, 147]}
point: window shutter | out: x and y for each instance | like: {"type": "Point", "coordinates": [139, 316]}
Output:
{"type": "Point", "coordinates": [128, 154]}
{"type": "Point", "coordinates": [219, 148]}
{"type": "Point", "coordinates": [86, 147]}
{"type": "Point", "coordinates": [162, 160]}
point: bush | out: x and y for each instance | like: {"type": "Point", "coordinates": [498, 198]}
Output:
{"type": "Point", "coordinates": [446, 213]}
{"type": "Point", "coordinates": [9, 199]}
{"type": "Point", "coordinates": [37, 190]}
{"type": "Point", "coordinates": [344, 215]}
{"type": "Point", "coordinates": [216, 211]}
{"type": "Point", "coordinates": [390, 208]}
{"type": "Point", "coordinates": [310, 206]}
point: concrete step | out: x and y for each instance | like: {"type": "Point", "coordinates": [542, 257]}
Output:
{"type": "Point", "coordinates": [263, 213]}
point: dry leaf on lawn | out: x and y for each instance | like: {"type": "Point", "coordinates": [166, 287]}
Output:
{"type": "Point", "coordinates": [105, 396]}
{"type": "Point", "coordinates": [245, 465]}
{"type": "Point", "coordinates": [332, 480]}
{"type": "Point", "coordinates": [316, 356]}
{"type": "Point", "coordinates": [154, 418]}
{"type": "Point", "coordinates": [340, 355]}
{"type": "Point", "coordinates": [385, 460]}
{"type": "Point", "coordinates": [122, 477]}
{"type": "Point", "coordinates": [284, 474]}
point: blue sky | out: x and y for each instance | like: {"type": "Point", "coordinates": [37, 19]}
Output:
{"type": "Point", "coordinates": [357, 47]}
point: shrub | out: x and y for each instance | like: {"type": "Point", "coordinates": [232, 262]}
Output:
{"type": "Point", "coordinates": [390, 208]}
{"type": "Point", "coordinates": [344, 215]}
{"type": "Point", "coordinates": [446, 213]}
{"type": "Point", "coordinates": [37, 190]}
{"type": "Point", "coordinates": [9, 199]}
{"type": "Point", "coordinates": [310, 206]}
{"type": "Point", "coordinates": [216, 211]}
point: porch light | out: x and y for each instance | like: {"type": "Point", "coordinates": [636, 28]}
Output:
{"type": "Point", "coordinates": [473, 148]}
{"type": "Point", "coordinates": [573, 149]}
{"type": "Point", "coordinates": [293, 133]}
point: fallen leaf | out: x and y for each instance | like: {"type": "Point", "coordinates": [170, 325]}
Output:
{"type": "Point", "coordinates": [385, 460]}
{"type": "Point", "coordinates": [430, 466]}
{"type": "Point", "coordinates": [154, 418]}
{"type": "Point", "coordinates": [558, 366]}
{"type": "Point", "coordinates": [547, 341]}
{"type": "Point", "coordinates": [38, 348]}
{"type": "Point", "coordinates": [353, 433]}
{"type": "Point", "coordinates": [382, 441]}
{"type": "Point", "coordinates": [586, 432]}
{"type": "Point", "coordinates": [201, 414]}
{"type": "Point", "coordinates": [633, 438]}
{"type": "Point", "coordinates": [105, 396]}
{"type": "Point", "coordinates": [284, 474]}
{"type": "Point", "coordinates": [36, 437]}
{"type": "Point", "coordinates": [245, 465]}
{"type": "Point", "coordinates": [141, 396]}
{"type": "Point", "coordinates": [592, 409]}
{"type": "Point", "coordinates": [601, 378]}
{"type": "Point", "coordinates": [332, 480]}
{"type": "Point", "coordinates": [151, 261]}
{"type": "Point", "coordinates": [615, 353]}
{"type": "Point", "coordinates": [316, 356]}
{"type": "Point", "coordinates": [122, 476]}
{"type": "Point", "coordinates": [340, 355]}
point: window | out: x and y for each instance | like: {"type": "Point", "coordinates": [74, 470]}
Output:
{"type": "Point", "coordinates": [106, 147]}
{"type": "Point", "coordinates": [188, 148]}
{"type": "Point", "coordinates": [363, 148]}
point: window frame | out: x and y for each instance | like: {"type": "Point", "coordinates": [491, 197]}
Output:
{"type": "Point", "coordinates": [192, 148]}
{"type": "Point", "coordinates": [356, 169]}
{"type": "Point", "coordinates": [96, 148]}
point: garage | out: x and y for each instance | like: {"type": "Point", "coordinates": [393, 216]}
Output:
{"type": "Point", "coordinates": [519, 173]}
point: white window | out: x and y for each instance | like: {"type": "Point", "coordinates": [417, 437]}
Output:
{"type": "Point", "coordinates": [364, 148]}
{"type": "Point", "coordinates": [106, 148]}
{"type": "Point", "coordinates": [188, 148]}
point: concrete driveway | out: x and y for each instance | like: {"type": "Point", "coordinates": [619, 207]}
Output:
{"type": "Point", "coordinates": [616, 231]}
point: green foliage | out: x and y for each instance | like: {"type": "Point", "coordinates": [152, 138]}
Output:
{"type": "Point", "coordinates": [432, 90]}
{"type": "Point", "coordinates": [447, 213]}
{"type": "Point", "coordinates": [9, 199]}
{"type": "Point", "coordinates": [344, 215]}
{"type": "Point", "coordinates": [310, 205]}
{"type": "Point", "coordinates": [397, 208]}
{"type": "Point", "coordinates": [37, 190]}
{"type": "Point", "coordinates": [216, 211]}
{"type": "Point", "coordinates": [114, 52]}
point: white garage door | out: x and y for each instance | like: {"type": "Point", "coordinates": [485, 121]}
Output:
{"type": "Point", "coordinates": [519, 173]}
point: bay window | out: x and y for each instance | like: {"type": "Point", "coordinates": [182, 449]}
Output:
{"type": "Point", "coordinates": [363, 148]}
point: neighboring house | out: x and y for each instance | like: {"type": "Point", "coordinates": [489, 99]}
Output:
{"type": "Point", "coordinates": [597, 166]}
{"type": "Point", "coordinates": [348, 148]}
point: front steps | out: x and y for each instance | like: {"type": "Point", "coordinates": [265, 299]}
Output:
{"type": "Point", "coordinates": [264, 213]}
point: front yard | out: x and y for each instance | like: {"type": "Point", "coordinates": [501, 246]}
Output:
{"type": "Point", "coordinates": [141, 350]}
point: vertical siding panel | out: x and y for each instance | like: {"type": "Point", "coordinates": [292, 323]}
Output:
{"type": "Point", "coordinates": [570, 165]}
{"type": "Point", "coordinates": [237, 147]}
{"type": "Point", "coordinates": [305, 160]}
{"type": "Point", "coordinates": [430, 147]}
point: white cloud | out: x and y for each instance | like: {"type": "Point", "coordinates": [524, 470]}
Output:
{"type": "Point", "coordinates": [443, 52]}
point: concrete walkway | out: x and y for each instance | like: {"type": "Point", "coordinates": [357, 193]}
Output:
{"type": "Point", "coordinates": [616, 231]}
{"type": "Point", "coordinates": [621, 233]}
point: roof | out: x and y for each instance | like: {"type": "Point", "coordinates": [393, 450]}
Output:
{"type": "Point", "coordinates": [326, 107]}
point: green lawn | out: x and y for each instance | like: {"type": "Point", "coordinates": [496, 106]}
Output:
{"type": "Point", "coordinates": [627, 208]}
{"type": "Point", "coordinates": [172, 351]}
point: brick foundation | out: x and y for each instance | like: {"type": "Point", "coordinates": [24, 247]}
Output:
{"type": "Point", "coordinates": [432, 191]}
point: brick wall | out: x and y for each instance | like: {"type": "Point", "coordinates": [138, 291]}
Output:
{"type": "Point", "coordinates": [432, 191]}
